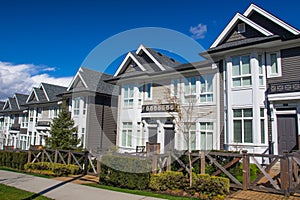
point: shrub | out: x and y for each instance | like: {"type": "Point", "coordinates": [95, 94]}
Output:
{"type": "Point", "coordinates": [125, 172]}
{"type": "Point", "coordinates": [56, 169]}
{"type": "Point", "coordinates": [14, 160]}
{"type": "Point", "coordinates": [202, 183]}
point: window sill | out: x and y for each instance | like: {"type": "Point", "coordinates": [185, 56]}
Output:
{"type": "Point", "coordinates": [241, 88]}
{"type": "Point", "coordinates": [247, 144]}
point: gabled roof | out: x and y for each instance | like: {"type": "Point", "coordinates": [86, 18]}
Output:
{"type": "Point", "coordinates": [93, 81]}
{"type": "Point", "coordinates": [265, 23]}
{"type": "Point", "coordinates": [254, 8]}
{"type": "Point", "coordinates": [238, 17]}
{"type": "Point", "coordinates": [20, 99]}
{"type": "Point", "coordinates": [15, 103]}
{"type": "Point", "coordinates": [1, 105]}
{"type": "Point", "coordinates": [45, 93]}
{"type": "Point", "coordinates": [147, 60]}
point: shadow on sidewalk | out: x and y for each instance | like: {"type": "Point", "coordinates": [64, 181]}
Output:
{"type": "Point", "coordinates": [52, 188]}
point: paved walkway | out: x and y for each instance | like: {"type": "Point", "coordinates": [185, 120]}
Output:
{"type": "Point", "coordinates": [60, 190]}
{"type": "Point", "coordinates": [253, 195]}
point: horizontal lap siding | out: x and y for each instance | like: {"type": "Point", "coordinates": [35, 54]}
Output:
{"type": "Point", "coordinates": [102, 112]}
{"type": "Point", "coordinates": [234, 35]}
{"type": "Point", "coordinates": [290, 66]}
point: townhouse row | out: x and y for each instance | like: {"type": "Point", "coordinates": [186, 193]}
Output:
{"type": "Point", "coordinates": [244, 95]}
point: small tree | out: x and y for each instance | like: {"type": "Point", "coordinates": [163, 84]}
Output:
{"type": "Point", "coordinates": [63, 132]}
{"type": "Point", "coordinates": [184, 117]}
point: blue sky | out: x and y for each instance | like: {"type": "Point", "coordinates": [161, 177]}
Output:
{"type": "Point", "coordinates": [54, 37]}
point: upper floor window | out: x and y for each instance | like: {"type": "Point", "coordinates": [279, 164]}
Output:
{"type": "Point", "coordinates": [84, 105]}
{"type": "Point", "coordinates": [273, 64]}
{"type": "Point", "coordinates": [174, 87]}
{"type": "Point", "coordinates": [242, 125]}
{"type": "Point", "coordinates": [260, 70]}
{"type": "Point", "coordinates": [140, 95]}
{"type": "Point", "coordinates": [24, 121]}
{"type": "Point", "coordinates": [190, 90]}
{"type": "Point", "coordinates": [206, 93]}
{"type": "Point", "coordinates": [31, 114]}
{"type": "Point", "coordinates": [76, 108]}
{"type": "Point", "coordinates": [241, 71]}
{"type": "Point", "coordinates": [128, 95]}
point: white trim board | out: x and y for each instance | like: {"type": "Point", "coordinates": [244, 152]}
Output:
{"type": "Point", "coordinates": [125, 61]}
{"type": "Point", "coordinates": [144, 49]}
{"type": "Point", "coordinates": [233, 22]}
{"type": "Point", "coordinates": [75, 78]}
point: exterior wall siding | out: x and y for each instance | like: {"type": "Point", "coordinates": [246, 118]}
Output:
{"type": "Point", "coordinates": [234, 35]}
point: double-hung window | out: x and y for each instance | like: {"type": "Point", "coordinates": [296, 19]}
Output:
{"type": "Point", "coordinates": [206, 93]}
{"type": "Point", "coordinates": [76, 105]}
{"type": "Point", "coordinates": [128, 95]}
{"type": "Point", "coordinates": [175, 87]}
{"type": "Point", "coordinates": [140, 95]}
{"type": "Point", "coordinates": [84, 105]}
{"type": "Point", "coordinates": [273, 64]}
{"type": "Point", "coordinates": [24, 121]}
{"type": "Point", "coordinates": [206, 140]}
{"type": "Point", "coordinates": [190, 135]}
{"type": "Point", "coordinates": [190, 90]}
{"type": "Point", "coordinates": [127, 134]}
{"type": "Point", "coordinates": [242, 125]}
{"type": "Point", "coordinates": [260, 70]}
{"type": "Point", "coordinates": [241, 71]}
{"type": "Point", "coordinates": [31, 114]}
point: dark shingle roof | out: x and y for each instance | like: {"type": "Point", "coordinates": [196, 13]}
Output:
{"type": "Point", "coordinates": [164, 60]}
{"type": "Point", "coordinates": [95, 82]}
{"type": "Point", "coordinates": [1, 105]}
{"type": "Point", "coordinates": [13, 103]}
{"type": "Point", "coordinates": [21, 98]}
{"type": "Point", "coordinates": [53, 90]}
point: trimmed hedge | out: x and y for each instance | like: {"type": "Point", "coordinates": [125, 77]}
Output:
{"type": "Point", "coordinates": [56, 169]}
{"type": "Point", "coordinates": [15, 160]}
{"type": "Point", "coordinates": [125, 172]}
{"type": "Point", "coordinates": [210, 186]}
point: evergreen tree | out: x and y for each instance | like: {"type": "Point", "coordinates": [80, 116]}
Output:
{"type": "Point", "coordinates": [63, 133]}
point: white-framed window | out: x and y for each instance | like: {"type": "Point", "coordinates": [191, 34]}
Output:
{"type": "Point", "coordinates": [128, 95]}
{"type": "Point", "coordinates": [242, 125]}
{"type": "Point", "coordinates": [84, 101]}
{"type": "Point", "coordinates": [76, 107]}
{"type": "Point", "coordinates": [31, 114]}
{"type": "Point", "coordinates": [241, 71]}
{"type": "Point", "coordinates": [206, 88]}
{"type": "Point", "coordinates": [273, 64]}
{"type": "Point", "coordinates": [262, 126]}
{"type": "Point", "coordinates": [24, 121]}
{"type": "Point", "coordinates": [140, 95]}
{"type": "Point", "coordinates": [175, 87]}
{"type": "Point", "coordinates": [190, 135]}
{"type": "Point", "coordinates": [126, 134]}
{"type": "Point", "coordinates": [148, 91]}
{"type": "Point", "coordinates": [39, 113]}
{"type": "Point", "coordinates": [206, 135]}
{"type": "Point", "coordinates": [260, 70]}
{"type": "Point", "coordinates": [139, 134]}
{"type": "Point", "coordinates": [190, 91]}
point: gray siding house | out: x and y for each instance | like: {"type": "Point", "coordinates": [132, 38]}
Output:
{"type": "Point", "coordinates": [93, 106]}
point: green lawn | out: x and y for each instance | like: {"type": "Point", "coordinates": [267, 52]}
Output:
{"type": "Point", "coordinates": [12, 193]}
{"type": "Point", "coordinates": [141, 192]}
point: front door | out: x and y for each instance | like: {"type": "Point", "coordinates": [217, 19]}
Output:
{"type": "Point", "coordinates": [169, 139]}
{"type": "Point", "coordinates": [287, 132]}
{"type": "Point", "coordinates": [152, 134]}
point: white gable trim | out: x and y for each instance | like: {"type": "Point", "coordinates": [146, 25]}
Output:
{"type": "Point", "coordinates": [17, 101]}
{"type": "Point", "coordinates": [129, 55]}
{"type": "Point", "coordinates": [75, 78]}
{"type": "Point", "coordinates": [271, 17]}
{"type": "Point", "coordinates": [7, 102]}
{"type": "Point", "coordinates": [143, 48]}
{"type": "Point", "coordinates": [32, 92]}
{"type": "Point", "coordinates": [233, 22]}
{"type": "Point", "coordinates": [42, 86]}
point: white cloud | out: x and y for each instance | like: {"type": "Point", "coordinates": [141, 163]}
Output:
{"type": "Point", "coordinates": [198, 31]}
{"type": "Point", "coordinates": [20, 78]}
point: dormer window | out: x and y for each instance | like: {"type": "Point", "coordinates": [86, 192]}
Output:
{"type": "Point", "coordinates": [241, 28]}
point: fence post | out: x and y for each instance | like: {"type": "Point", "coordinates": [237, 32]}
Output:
{"type": "Point", "coordinates": [169, 161]}
{"type": "Point", "coordinates": [202, 163]}
{"type": "Point", "coordinates": [29, 156]}
{"type": "Point", "coordinates": [43, 155]}
{"type": "Point", "coordinates": [246, 170]}
{"type": "Point", "coordinates": [284, 173]}
{"type": "Point", "coordinates": [69, 157]}
{"type": "Point", "coordinates": [55, 156]}
{"type": "Point", "coordinates": [86, 162]}
{"type": "Point", "coordinates": [154, 163]}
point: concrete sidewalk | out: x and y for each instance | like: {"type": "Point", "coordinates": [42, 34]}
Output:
{"type": "Point", "coordinates": [62, 190]}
